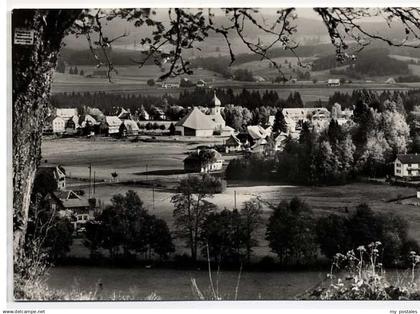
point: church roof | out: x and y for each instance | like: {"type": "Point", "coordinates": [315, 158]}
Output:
{"type": "Point", "coordinates": [197, 120]}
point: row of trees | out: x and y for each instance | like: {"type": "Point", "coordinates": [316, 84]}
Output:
{"type": "Point", "coordinates": [296, 235]}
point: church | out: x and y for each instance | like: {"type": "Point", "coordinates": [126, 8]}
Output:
{"type": "Point", "coordinates": [197, 123]}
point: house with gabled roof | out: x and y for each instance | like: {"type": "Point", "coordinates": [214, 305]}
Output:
{"type": "Point", "coordinates": [233, 144]}
{"type": "Point", "coordinates": [407, 166]}
{"type": "Point", "coordinates": [128, 128]}
{"type": "Point", "coordinates": [79, 206]}
{"type": "Point", "coordinates": [198, 161]}
{"type": "Point", "coordinates": [111, 125]}
{"type": "Point", "coordinates": [195, 123]}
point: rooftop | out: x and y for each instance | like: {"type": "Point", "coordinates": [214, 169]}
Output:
{"type": "Point", "coordinates": [409, 158]}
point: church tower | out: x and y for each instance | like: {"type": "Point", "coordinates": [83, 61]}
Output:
{"type": "Point", "coordinates": [215, 108]}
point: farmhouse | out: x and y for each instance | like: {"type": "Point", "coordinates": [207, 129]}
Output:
{"type": "Point", "coordinates": [195, 123]}
{"type": "Point", "coordinates": [128, 127]}
{"type": "Point", "coordinates": [233, 144]}
{"type": "Point", "coordinates": [206, 160]}
{"type": "Point", "coordinates": [407, 166]}
{"type": "Point", "coordinates": [51, 173]}
{"type": "Point", "coordinates": [391, 80]}
{"type": "Point", "coordinates": [80, 207]}
{"type": "Point", "coordinates": [143, 114]}
{"type": "Point", "coordinates": [124, 114]}
{"type": "Point", "coordinates": [333, 82]}
{"type": "Point", "coordinates": [72, 125]}
{"type": "Point", "coordinates": [111, 125]}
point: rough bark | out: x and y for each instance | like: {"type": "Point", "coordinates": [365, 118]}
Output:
{"type": "Point", "coordinates": [32, 67]}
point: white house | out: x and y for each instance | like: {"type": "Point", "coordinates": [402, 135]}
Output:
{"type": "Point", "coordinates": [333, 82]}
{"type": "Point", "coordinates": [194, 162]}
{"type": "Point", "coordinates": [407, 166]}
{"type": "Point", "coordinates": [66, 113]}
{"type": "Point", "coordinates": [113, 124]}
{"type": "Point", "coordinates": [58, 125]}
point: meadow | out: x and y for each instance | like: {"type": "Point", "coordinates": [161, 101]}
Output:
{"type": "Point", "coordinates": [163, 161]}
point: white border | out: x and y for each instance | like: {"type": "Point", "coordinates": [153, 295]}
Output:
{"type": "Point", "coordinates": [342, 307]}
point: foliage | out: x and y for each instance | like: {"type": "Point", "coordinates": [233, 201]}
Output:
{"type": "Point", "coordinates": [290, 232]}
{"type": "Point", "coordinates": [279, 122]}
{"type": "Point", "coordinates": [222, 236]}
{"type": "Point", "coordinates": [127, 224]}
{"type": "Point", "coordinates": [251, 220]}
{"type": "Point", "coordinates": [255, 167]}
{"type": "Point", "coordinates": [365, 278]}
{"type": "Point", "coordinates": [192, 208]}
{"type": "Point", "coordinates": [243, 75]}
{"type": "Point", "coordinates": [364, 226]}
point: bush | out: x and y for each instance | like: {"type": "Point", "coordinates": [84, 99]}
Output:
{"type": "Point", "coordinates": [365, 278]}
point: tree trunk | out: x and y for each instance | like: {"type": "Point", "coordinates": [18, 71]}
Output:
{"type": "Point", "coordinates": [33, 67]}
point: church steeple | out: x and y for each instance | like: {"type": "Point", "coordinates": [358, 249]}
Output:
{"type": "Point", "coordinates": [216, 103]}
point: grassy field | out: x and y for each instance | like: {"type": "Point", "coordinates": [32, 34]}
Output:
{"type": "Point", "coordinates": [164, 168]}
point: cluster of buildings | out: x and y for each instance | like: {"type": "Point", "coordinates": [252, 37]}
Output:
{"type": "Point", "coordinates": [73, 204]}
{"type": "Point", "coordinates": [68, 121]}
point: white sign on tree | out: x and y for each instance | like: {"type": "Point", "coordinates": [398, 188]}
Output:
{"type": "Point", "coordinates": [24, 36]}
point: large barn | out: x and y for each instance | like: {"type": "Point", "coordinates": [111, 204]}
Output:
{"type": "Point", "coordinates": [195, 123]}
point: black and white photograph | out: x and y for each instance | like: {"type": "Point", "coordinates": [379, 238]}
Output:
{"type": "Point", "coordinates": [214, 154]}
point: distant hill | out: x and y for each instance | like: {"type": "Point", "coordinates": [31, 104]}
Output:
{"type": "Point", "coordinates": [370, 62]}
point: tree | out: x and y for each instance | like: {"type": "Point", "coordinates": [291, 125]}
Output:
{"type": "Point", "coordinates": [332, 235]}
{"type": "Point", "coordinates": [33, 64]}
{"type": "Point", "coordinates": [82, 73]}
{"type": "Point", "coordinates": [222, 235]}
{"type": "Point", "coordinates": [280, 124]}
{"type": "Point", "coordinates": [192, 209]}
{"type": "Point", "coordinates": [127, 224]}
{"type": "Point", "coordinates": [251, 219]}
{"type": "Point", "coordinates": [172, 129]}
{"type": "Point", "coordinates": [61, 66]}
{"type": "Point", "coordinates": [290, 232]}
{"type": "Point", "coordinates": [151, 82]}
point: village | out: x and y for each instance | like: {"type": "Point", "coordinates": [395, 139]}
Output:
{"type": "Point", "coordinates": [210, 147]}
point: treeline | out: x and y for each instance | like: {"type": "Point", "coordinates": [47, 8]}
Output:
{"type": "Point", "coordinates": [295, 234]}
{"type": "Point", "coordinates": [107, 102]}
{"type": "Point", "coordinates": [374, 99]}
{"type": "Point", "coordinates": [129, 233]}
{"type": "Point", "coordinates": [85, 56]}
{"type": "Point", "coordinates": [250, 99]}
